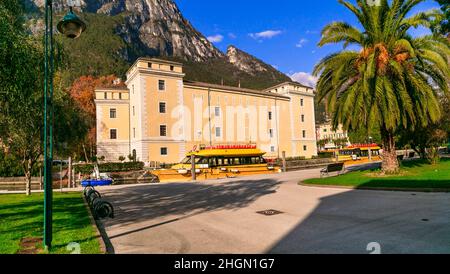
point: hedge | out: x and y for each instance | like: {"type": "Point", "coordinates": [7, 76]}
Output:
{"type": "Point", "coordinates": [110, 167]}
{"type": "Point", "coordinates": [322, 155]}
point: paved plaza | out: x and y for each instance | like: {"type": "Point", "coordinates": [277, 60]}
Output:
{"type": "Point", "coordinates": [221, 217]}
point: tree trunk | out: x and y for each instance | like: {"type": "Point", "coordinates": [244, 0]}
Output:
{"type": "Point", "coordinates": [85, 154]}
{"type": "Point", "coordinates": [28, 178]}
{"type": "Point", "coordinates": [390, 162]}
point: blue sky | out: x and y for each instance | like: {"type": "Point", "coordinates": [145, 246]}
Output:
{"type": "Point", "coordinates": [282, 33]}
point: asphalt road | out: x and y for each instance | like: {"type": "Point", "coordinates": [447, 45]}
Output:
{"type": "Point", "coordinates": [221, 217]}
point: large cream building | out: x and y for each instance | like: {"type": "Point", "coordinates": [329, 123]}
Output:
{"type": "Point", "coordinates": [160, 116]}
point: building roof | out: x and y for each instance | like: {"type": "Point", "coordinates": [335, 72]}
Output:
{"type": "Point", "coordinates": [231, 88]}
{"type": "Point", "coordinates": [117, 89]}
{"type": "Point", "coordinates": [150, 59]}
{"type": "Point", "coordinates": [289, 83]}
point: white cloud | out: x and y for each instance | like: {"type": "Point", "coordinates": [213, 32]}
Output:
{"type": "Point", "coordinates": [267, 34]}
{"type": "Point", "coordinates": [304, 78]}
{"type": "Point", "coordinates": [301, 43]}
{"type": "Point", "coordinates": [232, 35]}
{"type": "Point", "coordinates": [215, 38]}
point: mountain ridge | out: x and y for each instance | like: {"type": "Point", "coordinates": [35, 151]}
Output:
{"type": "Point", "coordinates": [154, 28]}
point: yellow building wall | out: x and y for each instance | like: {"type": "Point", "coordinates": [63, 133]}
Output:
{"type": "Point", "coordinates": [112, 149]}
{"type": "Point", "coordinates": [187, 106]}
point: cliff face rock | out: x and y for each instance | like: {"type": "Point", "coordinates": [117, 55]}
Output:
{"type": "Point", "coordinates": [245, 61]}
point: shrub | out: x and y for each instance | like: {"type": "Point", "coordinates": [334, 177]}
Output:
{"type": "Point", "coordinates": [323, 155]}
{"type": "Point", "coordinates": [121, 158]}
{"type": "Point", "coordinates": [110, 167]}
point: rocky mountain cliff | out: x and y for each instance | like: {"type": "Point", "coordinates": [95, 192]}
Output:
{"type": "Point", "coordinates": [157, 28]}
{"type": "Point", "coordinates": [247, 62]}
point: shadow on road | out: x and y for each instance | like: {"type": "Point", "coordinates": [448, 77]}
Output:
{"type": "Point", "coordinates": [346, 223]}
{"type": "Point", "coordinates": [147, 202]}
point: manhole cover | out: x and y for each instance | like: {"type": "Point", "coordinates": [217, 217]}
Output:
{"type": "Point", "coordinates": [269, 212]}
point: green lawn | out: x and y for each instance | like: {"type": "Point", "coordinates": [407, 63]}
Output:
{"type": "Point", "coordinates": [413, 175]}
{"type": "Point", "coordinates": [22, 217]}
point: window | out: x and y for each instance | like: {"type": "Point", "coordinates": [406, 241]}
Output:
{"type": "Point", "coordinates": [172, 68]}
{"type": "Point", "coordinates": [134, 132]}
{"type": "Point", "coordinates": [272, 149]}
{"type": "Point", "coordinates": [218, 132]}
{"type": "Point", "coordinates": [163, 130]}
{"type": "Point", "coordinates": [304, 133]}
{"type": "Point", "coordinates": [270, 115]}
{"type": "Point", "coordinates": [305, 148]}
{"type": "Point", "coordinates": [303, 118]}
{"type": "Point", "coordinates": [325, 130]}
{"type": "Point", "coordinates": [113, 134]}
{"type": "Point", "coordinates": [162, 85]}
{"type": "Point", "coordinates": [120, 96]}
{"type": "Point", "coordinates": [164, 151]}
{"type": "Point", "coordinates": [301, 102]}
{"type": "Point", "coordinates": [132, 88]}
{"type": "Point", "coordinates": [149, 65]}
{"type": "Point", "coordinates": [112, 113]}
{"type": "Point", "coordinates": [162, 107]}
{"type": "Point", "coordinates": [217, 111]}
{"type": "Point", "coordinates": [271, 133]}
{"type": "Point", "coordinates": [106, 95]}
{"type": "Point", "coordinates": [134, 113]}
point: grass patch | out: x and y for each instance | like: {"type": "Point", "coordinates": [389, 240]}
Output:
{"type": "Point", "coordinates": [413, 175]}
{"type": "Point", "coordinates": [22, 217]}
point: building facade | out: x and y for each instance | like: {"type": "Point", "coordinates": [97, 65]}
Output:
{"type": "Point", "coordinates": [160, 116]}
{"type": "Point", "coordinates": [330, 138]}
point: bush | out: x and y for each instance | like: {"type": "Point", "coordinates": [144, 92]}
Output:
{"type": "Point", "coordinates": [324, 155]}
{"type": "Point", "coordinates": [121, 158]}
{"type": "Point", "coordinates": [110, 167]}
{"type": "Point", "coordinates": [299, 158]}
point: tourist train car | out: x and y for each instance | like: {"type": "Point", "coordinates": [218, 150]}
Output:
{"type": "Point", "coordinates": [219, 162]}
{"type": "Point", "coordinates": [358, 152]}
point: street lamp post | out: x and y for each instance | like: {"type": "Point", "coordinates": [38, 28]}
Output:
{"type": "Point", "coordinates": [71, 26]}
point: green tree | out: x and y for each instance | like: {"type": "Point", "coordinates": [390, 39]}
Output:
{"type": "Point", "coordinates": [18, 86]}
{"type": "Point", "coordinates": [364, 135]}
{"type": "Point", "coordinates": [426, 141]}
{"type": "Point", "coordinates": [21, 89]}
{"type": "Point", "coordinates": [441, 21]}
{"type": "Point", "coordinates": [393, 81]}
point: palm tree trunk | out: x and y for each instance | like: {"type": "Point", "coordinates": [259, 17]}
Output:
{"type": "Point", "coordinates": [390, 162]}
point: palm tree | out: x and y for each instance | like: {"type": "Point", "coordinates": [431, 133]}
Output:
{"type": "Point", "coordinates": [393, 81]}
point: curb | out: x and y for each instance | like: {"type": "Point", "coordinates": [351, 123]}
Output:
{"type": "Point", "coordinates": [98, 230]}
{"type": "Point", "coordinates": [397, 189]}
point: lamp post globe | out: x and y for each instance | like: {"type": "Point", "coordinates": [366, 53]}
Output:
{"type": "Point", "coordinates": [71, 25]}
